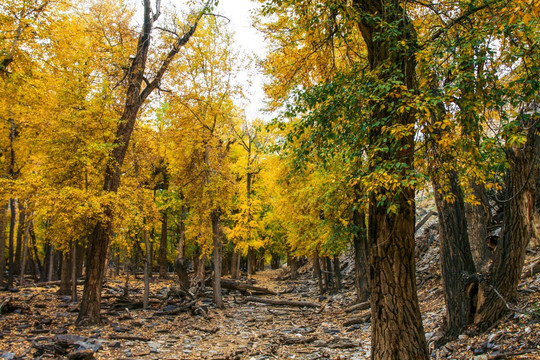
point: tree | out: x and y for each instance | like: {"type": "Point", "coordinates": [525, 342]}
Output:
{"type": "Point", "coordinates": [135, 97]}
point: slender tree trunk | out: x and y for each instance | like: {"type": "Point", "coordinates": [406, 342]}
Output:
{"type": "Point", "coordinates": [50, 270]}
{"type": "Point", "coordinates": [20, 235]}
{"type": "Point", "coordinates": [509, 256]}
{"type": "Point", "coordinates": [329, 278]}
{"type": "Point", "coordinates": [39, 265]}
{"type": "Point", "coordinates": [337, 272]}
{"type": "Point", "coordinates": [147, 267]}
{"type": "Point", "coordinates": [10, 245]}
{"type": "Point", "coordinates": [317, 273]}
{"type": "Point", "coordinates": [74, 272]}
{"type": "Point", "coordinates": [361, 256]}
{"type": "Point", "coordinates": [3, 220]}
{"type": "Point", "coordinates": [251, 261]}
{"type": "Point", "coordinates": [218, 246]}
{"type": "Point", "coordinates": [163, 247]}
{"type": "Point", "coordinates": [65, 275]}
{"type": "Point", "coordinates": [24, 254]}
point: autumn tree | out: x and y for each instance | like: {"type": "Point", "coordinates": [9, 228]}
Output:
{"type": "Point", "coordinates": [134, 98]}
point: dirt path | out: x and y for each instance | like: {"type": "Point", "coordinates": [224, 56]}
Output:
{"type": "Point", "coordinates": [42, 325]}
{"type": "Point", "coordinates": [242, 330]}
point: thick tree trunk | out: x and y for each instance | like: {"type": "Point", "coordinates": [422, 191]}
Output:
{"type": "Point", "coordinates": [235, 264]}
{"type": "Point", "coordinates": [457, 265]}
{"type": "Point", "coordinates": [509, 256]}
{"type": "Point", "coordinates": [65, 275]}
{"type": "Point", "coordinates": [477, 222]}
{"type": "Point", "coordinates": [217, 241]}
{"type": "Point", "coordinates": [3, 221]}
{"type": "Point", "coordinates": [397, 331]}
{"type": "Point", "coordinates": [361, 256]}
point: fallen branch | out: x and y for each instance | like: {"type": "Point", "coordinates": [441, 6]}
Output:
{"type": "Point", "coordinates": [286, 340]}
{"type": "Point", "coordinates": [361, 306]}
{"type": "Point", "coordinates": [128, 337]}
{"type": "Point", "coordinates": [424, 220]}
{"type": "Point", "coordinates": [509, 355]}
{"type": "Point", "coordinates": [245, 288]}
{"type": "Point", "coordinates": [358, 320]}
{"type": "Point", "coordinates": [531, 269]}
{"type": "Point", "coordinates": [211, 331]}
{"type": "Point", "coordinates": [282, 302]}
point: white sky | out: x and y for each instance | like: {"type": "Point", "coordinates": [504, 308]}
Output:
{"type": "Point", "coordinates": [249, 41]}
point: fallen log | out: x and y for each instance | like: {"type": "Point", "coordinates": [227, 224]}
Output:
{"type": "Point", "coordinates": [361, 306]}
{"type": "Point", "coordinates": [282, 302]}
{"type": "Point", "coordinates": [287, 340]}
{"type": "Point", "coordinates": [358, 320]}
{"type": "Point", "coordinates": [531, 270]}
{"type": "Point", "coordinates": [245, 288]}
{"type": "Point", "coordinates": [424, 220]}
{"type": "Point", "coordinates": [129, 337]}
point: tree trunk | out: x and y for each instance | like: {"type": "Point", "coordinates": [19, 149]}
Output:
{"type": "Point", "coordinates": [317, 273]}
{"type": "Point", "coordinates": [235, 264]}
{"type": "Point", "coordinates": [397, 331]}
{"type": "Point", "coordinates": [509, 256]}
{"type": "Point", "coordinates": [329, 277]}
{"type": "Point", "coordinates": [10, 244]}
{"type": "Point", "coordinates": [147, 267]}
{"type": "Point", "coordinates": [251, 261]}
{"type": "Point", "coordinates": [456, 259]}
{"type": "Point", "coordinates": [457, 265]}
{"type": "Point", "coordinates": [3, 220]}
{"type": "Point", "coordinates": [477, 220]}
{"type": "Point", "coordinates": [24, 254]}
{"type": "Point", "coordinates": [74, 272]}
{"type": "Point", "coordinates": [361, 256]}
{"type": "Point", "coordinates": [65, 275]}
{"type": "Point", "coordinates": [200, 267]}
{"type": "Point", "coordinates": [20, 235]}
{"type": "Point", "coordinates": [39, 265]}
{"type": "Point", "coordinates": [50, 268]}
{"type": "Point", "coordinates": [163, 247]}
{"type": "Point", "coordinates": [216, 236]}
{"type": "Point", "coordinates": [292, 263]}
{"type": "Point", "coordinates": [337, 272]}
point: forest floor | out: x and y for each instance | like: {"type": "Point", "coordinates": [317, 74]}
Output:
{"type": "Point", "coordinates": [38, 323]}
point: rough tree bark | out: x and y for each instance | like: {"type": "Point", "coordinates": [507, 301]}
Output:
{"type": "Point", "coordinates": [457, 264]}
{"type": "Point", "coordinates": [501, 287]}
{"type": "Point", "coordinates": [3, 220]}
{"type": "Point", "coordinates": [397, 331]}
{"type": "Point", "coordinates": [218, 249]}
{"type": "Point", "coordinates": [163, 246]}
{"type": "Point", "coordinates": [361, 256]}
{"type": "Point", "coordinates": [20, 234]}
{"type": "Point", "coordinates": [101, 235]}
